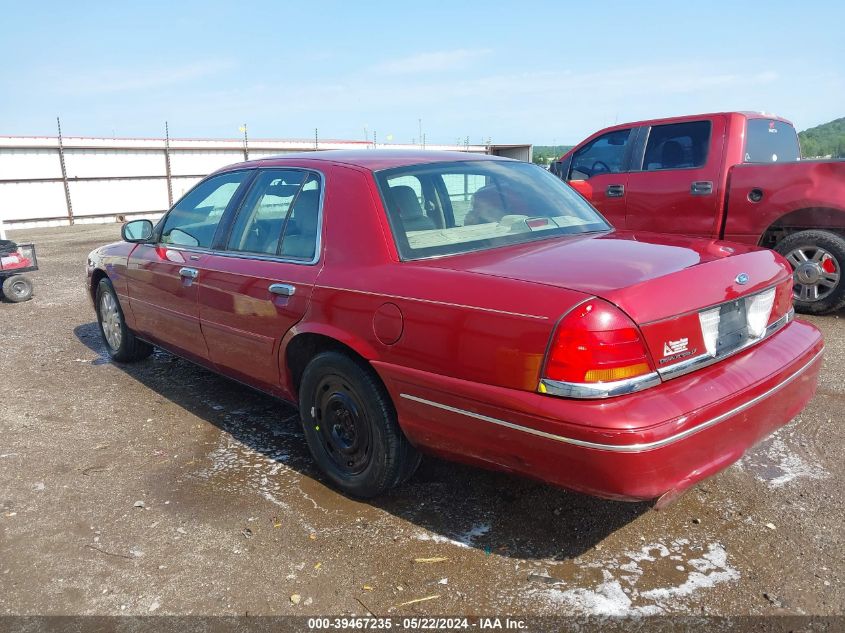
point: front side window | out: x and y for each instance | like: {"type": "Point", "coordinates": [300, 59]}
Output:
{"type": "Point", "coordinates": [502, 202]}
{"type": "Point", "coordinates": [279, 215]}
{"type": "Point", "coordinates": [194, 219]}
{"type": "Point", "coordinates": [770, 141]}
{"type": "Point", "coordinates": [677, 146]}
{"type": "Point", "coordinates": [603, 155]}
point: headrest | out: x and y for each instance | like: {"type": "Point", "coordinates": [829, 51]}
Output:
{"type": "Point", "coordinates": [406, 199]}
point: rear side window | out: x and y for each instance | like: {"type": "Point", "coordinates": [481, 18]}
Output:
{"type": "Point", "coordinates": [280, 216]}
{"type": "Point", "coordinates": [603, 155]}
{"type": "Point", "coordinates": [770, 141]}
{"type": "Point", "coordinates": [677, 146]}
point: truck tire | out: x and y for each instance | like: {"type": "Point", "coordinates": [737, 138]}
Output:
{"type": "Point", "coordinates": [817, 259]}
{"type": "Point", "coordinates": [351, 426]}
{"type": "Point", "coordinates": [17, 288]}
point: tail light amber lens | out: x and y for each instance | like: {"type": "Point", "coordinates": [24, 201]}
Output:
{"type": "Point", "coordinates": [595, 343]}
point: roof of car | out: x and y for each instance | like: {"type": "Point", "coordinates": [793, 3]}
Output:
{"type": "Point", "coordinates": [373, 160]}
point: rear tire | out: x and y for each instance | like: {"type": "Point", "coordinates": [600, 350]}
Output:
{"type": "Point", "coordinates": [17, 288]}
{"type": "Point", "coordinates": [351, 426]}
{"type": "Point", "coordinates": [121, 343]}
{"type": "Point", "coordinates": [817, 259]}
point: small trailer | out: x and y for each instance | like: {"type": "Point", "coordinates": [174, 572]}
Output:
{"type": "Point", "coordinates": [16, 259]}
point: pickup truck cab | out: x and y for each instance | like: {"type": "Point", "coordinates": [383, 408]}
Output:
{"type": "Point", "coordinates": [733, 176]}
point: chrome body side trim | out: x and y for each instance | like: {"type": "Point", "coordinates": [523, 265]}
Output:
{"type": "Point", "coordinates": [622, 448]}
{"type": "Point", "coordinates": [704, 360]}
{"type": "Point", "coordinates": [599, 389]}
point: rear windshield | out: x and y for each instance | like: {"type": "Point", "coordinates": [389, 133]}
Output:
{"type": "Point", "coordinates": [464, 206]}
{"type": "Point", "coordinates": [770, 141]}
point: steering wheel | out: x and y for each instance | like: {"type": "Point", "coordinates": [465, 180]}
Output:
{"type": "Point", "coordinates": [595, 169]}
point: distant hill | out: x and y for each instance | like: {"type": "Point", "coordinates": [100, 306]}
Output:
{"type": "Point", "coordinates": [824, 140]}
{"type": "Point", "coordinates": [544, 154]}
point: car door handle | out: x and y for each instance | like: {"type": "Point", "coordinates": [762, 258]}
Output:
{"type": "Point", "coordinates": [701, 188]}
{"type": "Point", "coordinates": [615, 191]}
{"type": "Point", "coordinates": [283, 290]}
{"type": "Point", "coordinates": [193, 273]}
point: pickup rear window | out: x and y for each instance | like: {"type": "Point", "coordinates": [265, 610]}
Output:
{"type": "Point", "coordinates": [770, 141]}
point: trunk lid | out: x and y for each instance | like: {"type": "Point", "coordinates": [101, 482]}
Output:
{"type": "Point", "coordinates": [661, 281]}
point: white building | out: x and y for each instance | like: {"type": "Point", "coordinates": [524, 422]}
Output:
{"type": "Point", "coordinates": [45, 182]}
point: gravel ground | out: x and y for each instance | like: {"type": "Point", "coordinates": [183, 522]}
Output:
{"type": "Point", "coordinates": [161, 488]}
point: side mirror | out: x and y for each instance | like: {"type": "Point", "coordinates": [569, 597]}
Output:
{"type": "Point", "coordinates": [137, 231]}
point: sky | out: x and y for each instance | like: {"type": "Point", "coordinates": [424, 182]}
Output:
{"type": "Point", "coordinates": [512, 72]}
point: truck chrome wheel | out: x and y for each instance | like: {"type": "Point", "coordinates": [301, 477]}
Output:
{"type": "Point", "coordinates": [816, 273]}
{"type": "Point", "coordinates": [110, 320]}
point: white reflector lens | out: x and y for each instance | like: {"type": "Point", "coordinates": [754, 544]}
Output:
{"type": "Point", "coordinates": [758, 310]}
{"type": "Point", "coordinates": [710, 329]}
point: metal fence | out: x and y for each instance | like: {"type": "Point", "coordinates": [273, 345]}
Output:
{"type": "Point", "coordinates": [49, 181]}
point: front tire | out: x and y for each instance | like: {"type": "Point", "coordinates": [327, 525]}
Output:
{"type": "Point", "coordinates": [351, 426]}
{"type": "Point", "coordinates": [817, 259]}
{"type": "Point", "coordinates": [17, 288]}
{"type": "Point", "coordinates": [121, 343]}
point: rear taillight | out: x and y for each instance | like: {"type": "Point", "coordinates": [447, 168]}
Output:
{"type": "Point", "coordinates": [595, 343]}
{"type": "Point", "coordinates": [784, 297]}
{"type": "Point", "coordinates": [758, 310]}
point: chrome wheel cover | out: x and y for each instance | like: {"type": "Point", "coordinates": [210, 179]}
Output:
{"type": "Point", "coordinates": [816, 273]}
{"type": "Point", "coordinates": [110, 321]}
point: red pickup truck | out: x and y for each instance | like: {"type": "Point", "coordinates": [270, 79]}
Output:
{"type": "Point", "coordinates": [732, 175]}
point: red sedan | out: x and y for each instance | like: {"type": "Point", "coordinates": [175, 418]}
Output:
{"type": "Point", "coordinates": [468, 306]}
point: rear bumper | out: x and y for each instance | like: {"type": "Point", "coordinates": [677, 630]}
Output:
{"type": "Point", "coordinates": [639, 446]}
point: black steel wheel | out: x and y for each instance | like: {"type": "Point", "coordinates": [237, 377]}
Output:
{"type": "Point", "coordinates": [351, 427]}
{"type": "Point", "coordinates": [17, 288]}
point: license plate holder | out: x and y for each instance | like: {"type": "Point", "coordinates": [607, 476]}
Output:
{"type": "Point", "coordinates": [733, 327]}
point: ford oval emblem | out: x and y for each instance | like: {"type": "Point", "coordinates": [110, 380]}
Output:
{"type": "Point", "coordinates": [742, 279]}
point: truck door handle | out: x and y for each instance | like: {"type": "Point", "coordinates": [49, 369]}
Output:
{"type": "Point", "coordinates": [701, 188]}
{"type": "Point", "coordinates": [193, 273]}
{"type": "Point", "coordinates": [283, 290]}
{"type": "Point", "coordinates": [615, 191]}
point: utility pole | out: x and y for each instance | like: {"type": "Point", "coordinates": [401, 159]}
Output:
{"type": "Point", "coordinates": [246, 142]}
{"type": "Point", "coordinates": [419, 121]}
{"type": "Point", "coordinates": [64, 172]}
{"type": "Point", "coordinates": [167, 165]}
{"type": "Point", "coordinates": [316, 140]}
